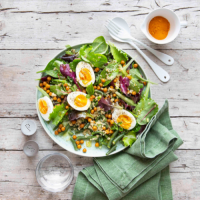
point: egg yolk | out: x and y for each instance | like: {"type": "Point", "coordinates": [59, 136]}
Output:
{"type": "Point", "coordinates": [85, 75]}
{"type": "Point", "coordinates": [126, 121]}
{"type": "Point", "coordinates": [80, 101]}
{"type": "Point", "coordinates": [43, 106]}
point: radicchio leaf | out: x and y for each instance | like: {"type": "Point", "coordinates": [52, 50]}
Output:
{"type": "Point", "coordinates": [124, 84]}
{"type": "Point", "coordinates": [66, 71]}
{"type": "Point", "coordinates": [106, 104]}
{"type": "Point", "coordinates": [44, 78]}
{"type": "Point", "coordinates": [68, 57]}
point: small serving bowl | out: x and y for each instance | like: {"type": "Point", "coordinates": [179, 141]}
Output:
{"type": "Point", "coordinates": [175, 25]}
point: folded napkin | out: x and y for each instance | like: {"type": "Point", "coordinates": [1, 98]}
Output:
{"type": "Point", "coordinates": [138, 173]}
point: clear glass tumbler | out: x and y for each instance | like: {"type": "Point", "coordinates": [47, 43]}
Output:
{"type": "Point", "coordinates": [54, 172]}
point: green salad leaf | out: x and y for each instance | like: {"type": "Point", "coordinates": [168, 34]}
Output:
{"type": "Point", "coordinates": [129, 138]}
{"type": "Point", "coordinates": [98, 60]}
{"type": "Point", "coordinates": [84, 50]}
{"type": "Point", "coordinates": [110, 72]}
{"type": "Point", "coordinates": [99, 45]}
{"type": "Point", "coordinates": [57, 114]}
{"type": "Point", "coordinates": [74, 63]}
{"type": "Point", "coordinates": [42, 91]}
{"type": "Point", "coordinates": [118, 54]}
{"type": "Point", "coordinates": [90, 89]}
{"type": "Point", "coordinates": [58, 90]}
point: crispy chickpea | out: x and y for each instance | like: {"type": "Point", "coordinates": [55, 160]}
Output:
{"type": "Point", "coordinates": [116, 100]}
{"type": "Point", "coordinates": [96, 69]}
{"type": "Point", "coordinates": [48, 91]}
{"type": "Point", "coordinates": [66, 113]}
{"type": "Point", "coordinates": [111, 87]}
{"type": "Point", "coordinates": [115, 80]}
{"type": "Point", "coordinates": [54, 98]}
{"type": "Point", "coordinates": [122, 62]}
{"type": "Point", "coordinates": [74, 122]}
{"type": "Point", "coordinates": [104, 128]}
{"type": "Point", "coordinates": [45, 88]}
{"type": "Point", "coordinates": [79, 146]}
{"type": "Point", "coordinates": [133, 93]}
{"type": "Point", "coordinates": [96, 144]}
{"type": "Point", "coordinates": [103, 80]}
{"type": "Point", "coordinates": [95, 87]}
{"type": "Point", "coordinates": [124, 65]}
{"type": "Point", "coordinates": [145, 83]}
{"type": "Point", "coordinates": [67, 88]}
{"type": "Point", "coordinates": [120, 104]}
{"type": "Point", "coordinates": [98, 87]}
{"type": "Point", "coordinates": [127, 71]}
{"type": "Point", "coordinates": [93, 96]}
{"type": "Point", "coordinates": [84, 150]}
{"type": "Point", "coordinates": [109, 96]}
{"type": "Point", "coordinates": [56, 132]}
{"type": "Point", "coordinates": [66, 107]}
{"type": "Point", "coordinates": [106, 115]}
{"type": "Point", "coordinates": [105, 89]}
{"type": "Point", "coordinates": [59, 100]}
{"type": "Point", "coordinates": [114, 95]}
{"type": "Point", "coordinates": [50, 94]}
{"type": "Point", "coordinates": [100, 84]}
{"type": "Point", "coordinates": [95, 108]}
{"type": "Point", "coordinates": [108, 120]}
{"type": "Point", "coordinates": [41, 85]}
{"type": "Point", "coordinates": [135, 65]}
{"type": "Point", "coordinates": [62, 96]}
{"type": "Point", "coordinates": [109, 116]}
{"type": "Point", "coordinates": [63, 128]}
{"type": "Point", "coordinates": [111, 131]}
{"type": "Point", "coordinates": [77, 142]}
{"type": "Point", "coordinates": [129, 77]}
{"type": "Point", "coordinates": [82, 125]}
{"type": "Point", "coordinates": [84, 91]}
{"type": "Point", "coordinates": [82, 141]}
{"type": "Point", "coordinates": [44, 83]}
{"type": "Point", "coordinates": [91, 99]}
{"type": "Point", "coordinates": [60, 126]}
{"type": "Point", "coordinates": [92, 111]}
{"type": "Point", "coordinates": [112, 122]}
{"type": "Point", "coordinates": [89, 119]}
{"type": "Point", "coordinates": [59, 130]}
{"type": "Point", "coordinates": [74, 137]}
{"type": "Point", "coordinates": [48, 78]}
{"type": "Point", "coordinates": [65, 85]}
{"type": "Point", "coordinates": [107, 131]}
{"type": "Point", "coordinates": [94, 128]}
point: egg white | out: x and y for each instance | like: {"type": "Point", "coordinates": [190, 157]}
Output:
{"type": "Point", "coordinates": [118, 112]}
{"type": "Point", "coordinates": [71, 97]}
{"type": "Point", "coordinates": [49, 110]}
{"type": "Point", "coordinates": [80, 66]}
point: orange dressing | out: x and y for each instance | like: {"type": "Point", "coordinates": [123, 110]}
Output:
{"type": "Point", "coordinates": [80, 100]}
{"type": "Point", "coordinates": [126, 121]}
{"type": "Point", "coordinates": [43, 106]}
{"type": "Point", "coordinates": [85, 75]}
{"type": "Point", "coordinates": [159, 27]}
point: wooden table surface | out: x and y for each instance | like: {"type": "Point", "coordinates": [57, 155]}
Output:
{"type": "Point", "coordinates": [33, 31]}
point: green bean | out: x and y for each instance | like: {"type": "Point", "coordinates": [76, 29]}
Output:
{"type": "Point", "coordinates": [74, 143]}
{"type": "Point", "coordinates": [97, 132]}
{"type": "Point", "coordinates": [100, 92]}
{"type": "Point", "coordinates": [117, 139]}
{"type": "Point", "coordinates": [86, 126]}
{"type": "Point", "coordinates": [87, 138]}
{"type": "Point", "coordinates": [112, 138]}
{"type": "Point", "coordinates": [111, 150]}
{"type": "Point", "coordinates": [127, 100]}
{"type": "Point", "coordinates": [100, 141]}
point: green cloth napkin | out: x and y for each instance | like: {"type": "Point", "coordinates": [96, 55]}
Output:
{"type": "Point", "coordinates": [138, 173]}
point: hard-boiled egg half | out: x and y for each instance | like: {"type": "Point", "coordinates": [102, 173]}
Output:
{"type": "Point", "coordinates": [85, 74]}
{"type": "Point", "coordinates": [45, 107]}
{"type": "Point", "coordinates": [125, 118]}
{"type": "Point", "coordinates": [78, 101]}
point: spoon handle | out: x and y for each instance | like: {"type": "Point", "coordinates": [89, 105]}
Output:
{"type": "Point", "coordinates": [168, 60]}
{"type": "Point", "coordinates": [160, 72]}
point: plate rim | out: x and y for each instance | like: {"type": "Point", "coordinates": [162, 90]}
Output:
{"type": "Point", "coordinates": [57, 141]}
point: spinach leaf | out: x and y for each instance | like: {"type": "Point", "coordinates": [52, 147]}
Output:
{"type": "Point", "coordinates": [98, 60]}
{"type": "Point", "coordinates": [57, 114]}
{"type": "Point", "coordinates": [99, 45]}
{"type": "Point", "coordinates": [109, 72]}
{"type": "Point", "coordinates": [90, 89]}
{"type": "Point", "coordinates": [58, 90]}
{"type": "Point", "coordinates": [42, 91]}
{"type": "Point", "coordinates": [129, 138]}
{"type": "Point", "coordinates": [118, 55]}
{"type": "Point", "coordinates": [84, 50]}
{"type": "Point", "coordinates": [73, 64]}
{"type": "Point", "coordinates": [135, 85]}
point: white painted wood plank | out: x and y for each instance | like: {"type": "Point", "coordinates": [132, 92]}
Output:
{"type": "Point", "coordinates": [13, 139]}
{"type": "Point", "coordinates": [34, 29]}
{"type": "Point", "coordinates": [17, 176]}
{"type": "Point", "coordinates": [18, 74]}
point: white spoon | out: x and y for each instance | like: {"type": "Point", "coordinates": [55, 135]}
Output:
{"type": "Point", "coordinates": [161, 73]}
